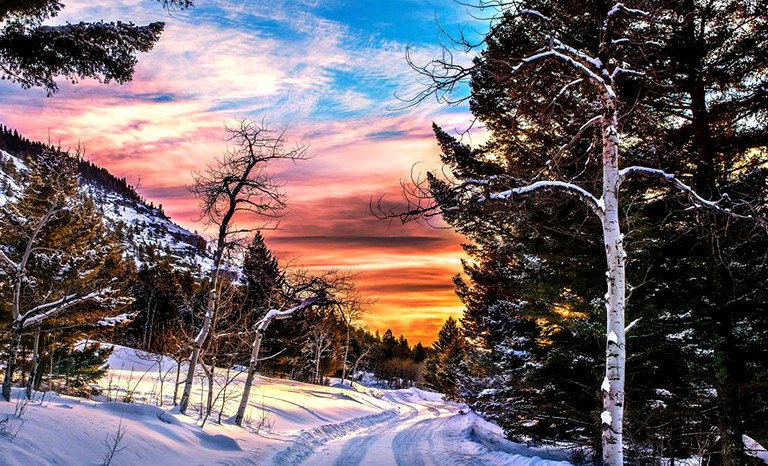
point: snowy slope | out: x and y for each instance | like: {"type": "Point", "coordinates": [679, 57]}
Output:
{"type": "Point", "coordinates": [142, 227]}
{"type": "Point", "coordinates": [146, 227]}
{"type": "Point", "coordinates": [303, 424]}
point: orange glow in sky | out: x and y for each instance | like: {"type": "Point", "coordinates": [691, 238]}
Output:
{"type": "Point", "coordinates": [327, 72]}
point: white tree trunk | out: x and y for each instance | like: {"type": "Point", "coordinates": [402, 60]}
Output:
{"type": "Point", "coordinates": [346, 354]}
{"type": "Point", "coordinates": [198, 345]}
{"type": "Point", "coordinates": [615, 352]}
{"type": "Point", "coordinates": [255, 348]}
{"type": "Point", "coordinates": [261, 328]}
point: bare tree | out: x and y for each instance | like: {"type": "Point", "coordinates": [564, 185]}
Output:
{"type": "Point", "coordinates": [329, 289]}
{"type": "Point", "coordinates": [238, 184]}
{"type": "Point", "coordinates": [350, 311]}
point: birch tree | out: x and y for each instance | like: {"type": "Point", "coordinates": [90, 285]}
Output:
{"type": "Point", "coordinates": [238, 186]}
{"type": "Point", "coordinates": [582, 80]}
{"type": "Point", "coordinates": [55, 254]}
{"type": "Point", "coordinates": [299, 293]}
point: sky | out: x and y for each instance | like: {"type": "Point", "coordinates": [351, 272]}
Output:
{"type": "Point", "coordinates": [330, 73]}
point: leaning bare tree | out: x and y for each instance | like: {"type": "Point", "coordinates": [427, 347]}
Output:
{"type": "Point", "coordinates": [302, 291]}
{"type": "Point", "coordinates": [590, 76]}
{"type": "Point", "coordinates": [237, 185]}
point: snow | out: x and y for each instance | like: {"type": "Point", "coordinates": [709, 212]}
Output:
{"type": "Point", "coordinates": [150, 227]}
{"type": "Point", "coordinates": [291, 423]}
{"type": "Point", "coordinates": [606, 385]}
{"type": "Point", "coordinates": [755, 449]}
{"type": "Point", "coordinates": [13, 188]}
{"type": "Point", "coordinates": [606, 417]}
{"type": "Point", "coordinates": [613, 338]}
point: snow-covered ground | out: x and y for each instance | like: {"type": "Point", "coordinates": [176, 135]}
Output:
{"type": "Point", "coordinates": [290, 423]}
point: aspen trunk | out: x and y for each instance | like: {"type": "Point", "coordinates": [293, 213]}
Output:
{"type": "Point", "coordinates": [255, 348]}
{"type": "Point", "coordinates": [198, 345]}
{"type": "Point", "coordinates": [13, 352]}
{"type": "Point", "coordinates": [612, 417]}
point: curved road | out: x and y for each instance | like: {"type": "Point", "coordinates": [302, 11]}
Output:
{"type": "Point", "coordinates": [406, 440]}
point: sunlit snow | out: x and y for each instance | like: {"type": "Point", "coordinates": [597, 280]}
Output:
{"type": "Point", "coordinates": [289, 423]}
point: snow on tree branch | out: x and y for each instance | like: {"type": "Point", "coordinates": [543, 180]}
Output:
{"type": "Point", "coordinates": [11, 265]}
{"type": "Point", "coordinates": [276, 314]}
{"type": "Point", "coordinates": [695, 197]}
{"type": "Point", "coordinates": [568, 188]}
{"type": "Point", "coordinates": [39, 313]}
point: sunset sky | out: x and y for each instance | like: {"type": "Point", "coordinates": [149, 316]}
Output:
{"type": "Point", "coordinates": [328, 71]}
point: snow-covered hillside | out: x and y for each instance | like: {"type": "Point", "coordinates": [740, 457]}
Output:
{"type": "Point", "coordinates": [143, 229]}
{"type": "Point", "coordinates": [291, 423]}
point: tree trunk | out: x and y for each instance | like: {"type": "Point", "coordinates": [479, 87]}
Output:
{"type": "Point", "coordinates": [35, 364]}
{"type": "Point", "coordinates": [728, 404]}
{"type": "Point", "coordinates": [11, 362]}
{"type": "Point", "coordinates": [208, 408]}
{"type": "Point", "coordinates": [176, 384]}
{"type": "Point", "coordinates": [318, 349]}
{"type": "Point", "coordinates": [198, 345]}
{"type": "Point", "coordinates": [612, 416]}
{"type": "Point", "coordinates": [255, 348]}
{"type": "Point", "coordinates": [344, 364]}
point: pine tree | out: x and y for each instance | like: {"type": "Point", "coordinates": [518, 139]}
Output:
{"type": "Point", "coordinates": [56, 256]}
{"type": "Point", "coordinates": [590, 90]}
{"type": "Point", "coordinates": [34, 55]}
{"type": "Point", "coordinates": [446, 357]}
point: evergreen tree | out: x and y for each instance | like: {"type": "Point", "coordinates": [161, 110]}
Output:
{"type": "Point", "coordinates": [709, 59]}
{"type": "Point", "coordinates": [55, 256]}
{"type": "Point", "coordinates": [447, 355]}
{"type": "Point", "coordinates": [78, 367]}
{"type": "Point", "coordinates": [34, 55]}
{"type": "Point", "coordinates": [713, 69]}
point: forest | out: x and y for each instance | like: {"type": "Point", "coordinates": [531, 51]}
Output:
{"type": "Point", "coordinates": [614, 222]}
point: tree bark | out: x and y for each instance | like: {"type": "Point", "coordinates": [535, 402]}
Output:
{"type": "Point", "coordinates": [255, 348]}
{"type": "Point", "coordinates": [13, 352]}
{"type": "Point", "coordinates": [346, 353]}
{"type": "Point", "coordinates": [615, 353]}
{"type": "Point", "coordinates": [35, 364]}
{"type": "Point", "coordinates": [198, 345]}
{"type": "Point", "coordinates": [729, 411]}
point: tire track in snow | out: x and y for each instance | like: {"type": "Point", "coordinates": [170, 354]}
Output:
{"type": "Point", "coordinates": [307, 441]}
{"type": "Point", "coordinates": [422, 444]}
{"type": "Point", "coordinates": [395, 442]}
{"type": "Point", "coordinates": [355, 450]}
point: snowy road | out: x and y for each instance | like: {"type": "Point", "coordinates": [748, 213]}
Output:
{"type": "Point", "coordinates": [408, 439]}
{"type": "Point", "coordinates": [417, 429]}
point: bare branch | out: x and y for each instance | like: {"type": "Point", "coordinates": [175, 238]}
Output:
{"type": "Point", "coordinates": [579, 133]}
{"type": "Point", "coordinates": [39, 313]}
{"type": "Point", "coordinates": [567, 188]}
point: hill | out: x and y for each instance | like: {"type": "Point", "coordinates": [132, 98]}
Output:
{"type": "Point", "coordinates": [144, 229]}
